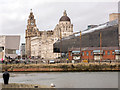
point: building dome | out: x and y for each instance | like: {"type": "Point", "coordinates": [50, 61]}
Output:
{"type": "Point", "coordinates": [64, 17]}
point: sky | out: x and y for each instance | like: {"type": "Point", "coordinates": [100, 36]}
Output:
{"type": "Point", "coordinates": [14, 14]}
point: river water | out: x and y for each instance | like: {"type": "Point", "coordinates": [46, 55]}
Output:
{"type": "Point", "coordinates": [68, 79]}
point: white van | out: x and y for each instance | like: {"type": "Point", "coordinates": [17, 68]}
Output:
{"type": "Point", "coordinates": [52, 62]}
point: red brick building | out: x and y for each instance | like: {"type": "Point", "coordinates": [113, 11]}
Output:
{"type": "Point", "coordinates": [94, 53]}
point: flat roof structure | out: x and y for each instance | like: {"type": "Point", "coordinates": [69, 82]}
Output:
{"type": "Point", "coordinates": [92, 39]}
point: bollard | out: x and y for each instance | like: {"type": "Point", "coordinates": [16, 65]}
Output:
{"type": "Point", "coordinates": [36, 86]}
{"type": "Point", "coordinates": [6, 76]}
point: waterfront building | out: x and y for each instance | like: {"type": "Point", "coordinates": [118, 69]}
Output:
{"type": "Point", "coordinates": [47, 44]}
{"type": "Point", "coordinates": [8, 46]}
{"type": "Point", "coordinates": [40, 43]}
{"type": "Point", "coordinates": [94, 53]}
{"type": "Point", "coordinates": [31, 31]}
{"type": "Point", "coordinates": [96, 41]}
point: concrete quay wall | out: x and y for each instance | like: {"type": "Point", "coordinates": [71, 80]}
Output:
{"type": "Point", "coordinates": [62, 67]}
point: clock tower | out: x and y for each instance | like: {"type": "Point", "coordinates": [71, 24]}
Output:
{"type": "Point", "coordinates": [31, 31]}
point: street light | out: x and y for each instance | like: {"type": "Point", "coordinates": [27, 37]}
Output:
{"type": "Point", "coordinates": [60, 45]}
{"type": "Point", "coordinates": [100, 46]}
{"type": "Point", "coordinates": [80, 45]}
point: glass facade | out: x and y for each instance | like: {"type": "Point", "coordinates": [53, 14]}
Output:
{"type": "Point", "coordinates": [10, 51]}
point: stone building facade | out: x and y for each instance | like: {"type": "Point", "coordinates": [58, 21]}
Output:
{"type": "Point", "coordinates": [114, 16]}
{"type": "Point", "coordinates": [31, 31]}
{"type": "Point", "coordinates": [40, 43]}
{"type": "Point", "coordinates": [64, 26]}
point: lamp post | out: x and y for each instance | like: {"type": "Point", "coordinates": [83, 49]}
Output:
{"type": "Point", "coordinates": [60, 46]}
{"type": "Point", "coordinates": [2, 56]}
{"type": "Point", "coordinates": [80, 45]}
{"type": "Point", "coordinates": [100, 46]}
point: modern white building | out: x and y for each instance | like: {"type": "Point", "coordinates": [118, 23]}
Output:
{"type": "Point", "coordinates": [8, 46]}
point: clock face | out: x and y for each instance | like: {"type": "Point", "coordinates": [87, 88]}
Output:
{"type": "Point", "coordinates": [32, 23]}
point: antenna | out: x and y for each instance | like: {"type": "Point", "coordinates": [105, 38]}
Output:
{"type": "Point", "coordinates": [31, 10]}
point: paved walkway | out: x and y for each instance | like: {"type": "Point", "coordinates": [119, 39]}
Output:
{"type": "Point", "coordinates": [18, 85]}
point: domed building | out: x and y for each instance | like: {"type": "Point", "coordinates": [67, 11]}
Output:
{"type": "Point", "coordinates": [65, 17]}
{"type": "Point", "coordinates": [64, 26]}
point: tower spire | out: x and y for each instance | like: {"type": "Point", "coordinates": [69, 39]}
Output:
{"type": "Point", "coordinates": [30, 10]}
{"type": "Point", "coordinates": [64, 13]}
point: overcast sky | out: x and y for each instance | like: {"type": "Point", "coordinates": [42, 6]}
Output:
{"type": "Point", "coordinates": [14, 14]}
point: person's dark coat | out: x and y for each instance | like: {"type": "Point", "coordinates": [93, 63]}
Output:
{"type": "Point", "coordinates": [6, 76]}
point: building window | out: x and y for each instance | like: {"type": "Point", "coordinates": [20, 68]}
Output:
{"type": "Point", "coordinates": [91, 53]}
{"type": "Point", "coordinates": [108, 53]}
{"type": "Point", "coordinates": [103, 52]}
{"type": "Point", "coordinates": [10, 51]}
{"type": "Point", "coordinates": [113, 52]}
{"type": "Point", "coordinates": [87, 53]}
{"type": "Point", "coordinates": [83, 53]}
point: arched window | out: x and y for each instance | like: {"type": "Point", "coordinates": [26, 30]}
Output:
{"type": "Point", "coordinates": [103, 52]}
{"type": "Point", "coordinates": [91, 53]}
{"type": "Point", "coordinates": [83, 53]}
{"type": "Point", "coordinates": [113, 52]}
{"type": "Point", "coordinates": [108, 53]}
{"type": "Point", "coordinates": [87, 53]}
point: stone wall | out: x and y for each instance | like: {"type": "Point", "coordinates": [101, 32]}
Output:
{"type": "Point", "coordinates": [42, 45]}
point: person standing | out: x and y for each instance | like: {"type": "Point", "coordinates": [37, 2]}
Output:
{"type": "Point", "coordinates": [6, 76]}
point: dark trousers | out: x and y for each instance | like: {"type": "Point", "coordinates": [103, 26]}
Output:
{"type": "Point", "coordinates": [6, 80]}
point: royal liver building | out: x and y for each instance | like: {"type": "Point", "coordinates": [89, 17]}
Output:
{"type": "Point", "coordinates": [40, 43]}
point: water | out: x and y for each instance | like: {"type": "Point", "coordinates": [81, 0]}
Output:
{"type": "Point", "coordinates": [68, 79]}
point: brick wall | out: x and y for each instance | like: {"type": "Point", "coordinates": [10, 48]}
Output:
{"type": "Point", "coordinates": [110, 57]}
{"type": "Point", "coordinates": [90, 55]}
